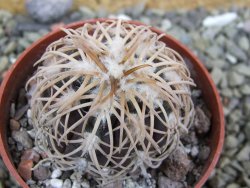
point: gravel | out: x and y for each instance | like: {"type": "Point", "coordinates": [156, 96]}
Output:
{"type": "Point", "coordinates": [41, 173]}
{"type": "Point", "coordinates": [230, 70]}
{"type": "Point", "coordinates": [23, 138]}
{"type": "Point", "coordinates": [47, 11]}
{"type": "Point", "coordinates": [172, 165]}
{"type": "Point", "coordinates": [3, 63]}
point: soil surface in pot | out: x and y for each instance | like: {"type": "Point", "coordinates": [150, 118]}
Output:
{"type": "Point", "coordinates": [181, 169]}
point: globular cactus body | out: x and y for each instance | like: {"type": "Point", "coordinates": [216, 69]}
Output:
{"type": "Point", "coordinates": [112, 94]}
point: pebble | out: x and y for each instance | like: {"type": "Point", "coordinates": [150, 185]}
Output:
{"type": "Point", "coordinates": [41, 173]}
{"type": "Point", "coordinates": [20, 112]}
{"type": "Point", "coordinates": [164, 182]}
{"type": "Point", "coordinates": [2, 33]}
{"type": "Point", "coordinates": [85, 184]}
{"type": "Point", "coordinates": [21, 98]}
{"type": "Point", "coordinates": [4, 62]}
{"type": "Point", "coordinates": [219, 20]}
{"type": "Point", "coordinates": [214, 51]}
{"type": "Point", "coordinates": [24, 169]}
{"type": "Point", "coordinates": [56, 173]}
{"type": "Point", "coordinates": [22, 27]}
{"type": "Point", "coordinates": [10, 27]}
{"type": "Point", "coordinates": [243, 69]}
{"type": "Point", "coordinates": [129, 183]}
{"type": "Point", "coordinates": [211, 33]}
{"type": "Point", "coordinates": [247, 131]}
{"type": "Point", "coordinates": [120, 16]}
{"type": "Point", "coordinates": [32, 36]}
{"type": "Point", "coordinates": [67, 183]}
{"type": "Point", "coordinates": [12, 58]}
{"type": "Point", "coordinates": [14, 125]}
{"type": "Point", "coordinates": [178, 160]}
{"type": "Point", "coordinates": [204, 152]}
{"type": "Point", "coordinates": [246, 180]}
{"type": "Point", "coordinates": [11, 46]}
{"type": "Point", "coordinates": [31, 182]}
{"type": "Point", "coordinates": [232, 59]}
{"type": "Point", "coordinates": [237, 93]}
{"type": "Point", "coordinates": [145, 20]}
{"type": "Point", "coordinates": [23, 138]}
{"type": "Point", "coordinates": [245, 89]}
{"type": "Point", "coordinates": [30, 154]}
{"type": "Point", "coordinates": [230, 31]}
{"type": "Point", "coordinates": [116, 184]}
{"type": "Point", "coordinates": [155, 12]}
{"type": "Point", "coordinates": [246, 166]}
{"type": "Point", "coordinates": [237, 165]}
{"type": "Point", "coordinates": [244, 153]}
{"type": "Point", "coordinates": [246, 26]}
{"type": "Point", "coordinates": [76, 184]}
{"type": "Point", "coordinates": [224, 81]}
{"type": "Point", "coordinates": [235, 79]}
{"type": "Point", "coordinates": [220, 63]}
{"type": "Point", "coordinates": [233, 185]}
{"type": "Point", "coordinates": [56, 183]}
{"type": "Point", "coordinates": [221, 40]}
{"type": "Point", "coordinates": [224, 161]}
{"type": "Point", "coordinates": [201, 121]}
{"type": "Point", "coordinates": [231, 142]}
{"type": "Point", "coordinates": [23, 122]}
{"type": "Point", "coordinates": [234, 50]}
{"type": "Point", "coordinates": [244, 43]}
{"type": "Point", "coordinates": [187, 23]}
{"type": "Point", "coordinates": [200, 43]}
{"type": "Point", "coordinates": [32, 133]}
{"type": "Point", "coordinates": [166, 25]}
{"type": "Point", "coordinates": [3, 173]}
{"type": "Point", "coordinates": [74, 16]}
{"type": "Point", "coordinates": [86, 12]}
{"type": "Point", "coordinates": [50, 11]}
{"type": "Point", "coordinates": [194, 151]}
{"type": "Point", "coordinates": [5, 16]}
{"type": "Point", "coordinates": [217, 75]}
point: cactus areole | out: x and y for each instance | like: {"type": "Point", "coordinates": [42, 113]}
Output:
{"type": "Point", "coordinates": [109, 98]}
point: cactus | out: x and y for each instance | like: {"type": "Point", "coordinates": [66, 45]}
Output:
{"type": "Point", "coordinates": [110, 98]}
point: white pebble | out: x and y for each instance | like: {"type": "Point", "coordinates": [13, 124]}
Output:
{"type": "Point", "coordinates": [56, 183]}
{"type": "Point", "coordinates": [120, 16]}
{"type": "Point", "coordinates": [32, 133]}
{"type": "Point", "coordinates": [29, 115]}
{"type": "Point", "coordinates": [194, 151]}
{"type": "Point", "coordinates": [56, 173]}
{"type": "Point", "coordinates": [219, 20]}
{"type": "Point", "coordinates": [47, 164]}
{"type": "Point", "coordinates": [166, 24]}
{"type": "Point", "coordinates": [85, 184]}
{"type": "Point", "coordinates": [67, 183]}
{"type": "Point", "coordinates": [76, 185]}
{"type": "Point", "coordinates": [231, 58]}
{"type": "Point", "coordinates": [187, 150]}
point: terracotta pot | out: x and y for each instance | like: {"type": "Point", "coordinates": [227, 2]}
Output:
{"type": "Point", "coordinates": [19, 72]}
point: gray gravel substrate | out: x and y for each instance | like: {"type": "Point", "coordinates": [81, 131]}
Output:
{"type": "Point", "coordinates": [224, 50]}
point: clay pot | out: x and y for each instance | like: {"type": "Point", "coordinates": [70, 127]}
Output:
{"type": "Point", "coordinates": [18, 74]}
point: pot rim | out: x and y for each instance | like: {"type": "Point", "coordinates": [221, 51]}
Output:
{"type": "Point", "coordinates": [3, 151]}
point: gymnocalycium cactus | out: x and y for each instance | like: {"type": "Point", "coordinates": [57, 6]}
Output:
{"type": "Point", "coordinates": [112, 96]}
